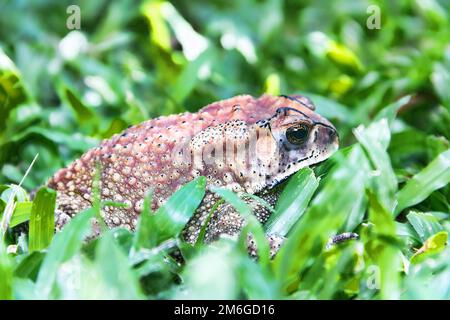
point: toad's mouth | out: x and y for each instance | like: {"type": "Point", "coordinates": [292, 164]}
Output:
{"type": "Point", "coordinates": [277, 183]}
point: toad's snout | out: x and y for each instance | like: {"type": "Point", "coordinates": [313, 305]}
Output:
{"type": "Point", "coordinates": [327, 136]}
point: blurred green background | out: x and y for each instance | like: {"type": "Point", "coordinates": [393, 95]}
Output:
{"type": "Point", "coordinates": [387, 90]}
{"type": "Point", "coordinates": [62, 90]}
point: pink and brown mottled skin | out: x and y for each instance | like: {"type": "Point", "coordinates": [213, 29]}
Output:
{"type": "Point", "coordinates": [238, 143]}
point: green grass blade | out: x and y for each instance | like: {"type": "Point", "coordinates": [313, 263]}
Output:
{"type": "Point", "coordinates": [64, 245]}
{"type": "Point", "coordinates": [256, 282]}
{"type": "Point", "coordinates": [375, 140]}
{"type": "Point", "coordinates": [433, 245]}
{"type": "Point", "coordinates": [424, 224]}
{"type": "Point", "coordinates": [22, 213]}
{"type": "Point", "coordinates": [29, 266]}
{"type": "Point", "coordinates": [211, 274]}
{"type": "Point", "coordinates": [16, 191]}
{"type": "Point", "coordinates": [383, 248]}
{"type": "Point", "coordinates": [145, 235]}
{"type": "Point", "coordinates": [434, 176]}
{"type": "Point", "coordinates": [115, 270]}
{"type": "Point", "coordinates": [390, 112]}
{"type": "Point", "coordinates": [171, 218]}
{"type": "Point", "coordinates": [327, 214]}
{"type": "Point", "coordinates": [86, 117]}
{"type": "Point", "coordinates": [332, 109]}
{"type": "Point", "coordinates": [293, 202]}
{"type": "Point", "coordinates": [6, 274]}
{"type": "Point", "coordinates": [42, 219]}
{"type": "Point", "coordinates": [202, 233]}
{"type": "Point", "coordinates": [232, 198]}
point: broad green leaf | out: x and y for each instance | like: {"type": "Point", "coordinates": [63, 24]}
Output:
{"type": "Point", "coordinates": [430, 278]}
{"type": "Point", "coordinates": [424, 224]}
{"type": "Point", "coordinates": [433, 12]}
{"type": "Point", "coordinates": [407, 231]}
{"type": "Point", "coordinates": [434, 244]}
{"type": "Point", "coordinates": [293, 202]}
{"type": "Point", "coordinates": [434, 176]}
{"type": "Point", "coordinates": [64, 245]}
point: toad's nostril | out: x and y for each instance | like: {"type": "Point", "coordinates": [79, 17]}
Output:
{"type": "Point", "coordinates": [333, 135]}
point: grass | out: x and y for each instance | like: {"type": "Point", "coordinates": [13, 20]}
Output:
{"type": "Point", "coordinates": [387, 92]}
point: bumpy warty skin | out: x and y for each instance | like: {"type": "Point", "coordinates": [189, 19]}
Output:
{"type": "Point", "coordinates": [239, 143]}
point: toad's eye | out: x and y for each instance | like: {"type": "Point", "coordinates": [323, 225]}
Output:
{"type": "Point", "coordinates": [297, 134]}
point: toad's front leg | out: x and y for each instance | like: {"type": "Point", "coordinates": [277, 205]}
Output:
{"type": "Point", "coordinates": [225, 220]}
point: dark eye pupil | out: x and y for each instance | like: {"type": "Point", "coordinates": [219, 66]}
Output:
{"type": "Point", "coordinates": [297, 135]}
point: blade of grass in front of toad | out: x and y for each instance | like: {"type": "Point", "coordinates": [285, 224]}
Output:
{"type": "Point", "coordinates": [115, 270]}
{"type": "Point", "coordinates": [145, 236]}
{"type": "Point", "coordinates": [383, 249]}
{"type": "Point", "coordinates": [256, 282]}
{"type": "Point", "coordinates": [29, 266]}
{"type": "Point", "coordinates": [293, 202]}
{"type": "Point", "coordinates": [6, 274]}
{"type": "Point", "coordinates": [434, 176]}
{"type": "Point", "coordinates": [328, 213]}
{"type": "Point", "coordinates": [171, 218]}
{"type": "Point", "coordinates": [211, 274]}
{"type": "Point", "coordinates": [42, 219]}
{"type": "Point", "coordinates": [64, 245]}
{"type": "Point", "coordinates": [339, 266]}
